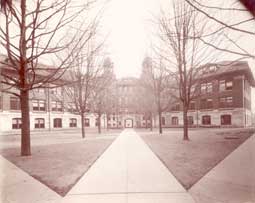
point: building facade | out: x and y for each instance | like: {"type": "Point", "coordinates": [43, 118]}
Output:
{"type": "Point", "coordinates": [224, 101]}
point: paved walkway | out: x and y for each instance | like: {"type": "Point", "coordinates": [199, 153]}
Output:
{"type": "Point", "coordinates": [16, 186]}
{"type": "Point", "coordinates": [232, 181]}
{"type": "Point", "coordinates": [128, 171]}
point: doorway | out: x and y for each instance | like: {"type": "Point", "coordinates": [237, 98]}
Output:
{"type": "Point", "coordinates": [129, 123]}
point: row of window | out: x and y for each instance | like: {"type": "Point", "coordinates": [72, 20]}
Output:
{"type": "Point", "coordinates": [224, 102]}
{"type": "Point", "coordinates": [224, 85]}
{"type": "Point", "coordinates": [40, 105]}
{"type": "Point", "coordinates": [206, 120]}
{"type": "Point", "coordinates": [40, 123]}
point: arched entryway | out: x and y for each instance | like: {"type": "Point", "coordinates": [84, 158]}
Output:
{"type": "Point", "coordinates": [128, 123]}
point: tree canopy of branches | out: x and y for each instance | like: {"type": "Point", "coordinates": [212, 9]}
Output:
{"type": "Point", "coordinates": [101, 100]}
{"type": "Point", "coordinates": [181, 36]}
{"type": "Point", "coordinates": [155, 81]}
{"type": "Point", "coordinates": [229, 16]}
{"type": "Point", "coordinates": [87, 76]}
{"type": "Point", "coordinates": [29, 32]}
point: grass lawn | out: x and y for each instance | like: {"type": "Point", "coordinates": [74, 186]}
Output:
{"type": "Point", "coordinates": [191, 160]}
{"type": "Point", "coordinates": [59, 166]}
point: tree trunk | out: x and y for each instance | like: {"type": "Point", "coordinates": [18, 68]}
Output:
{"type": "Point", "coordinates": [151, 121]}
{"type": "Point", "coordinates": [25, 128]}
{"type": "Point", "coordinates": [160, 122]}
{"type": "Point", "coordinates": [99, 123]}
{"type": "Point", "coordinates": [82, 125]}
{"type": "Point", "coordinates": [185, 123]}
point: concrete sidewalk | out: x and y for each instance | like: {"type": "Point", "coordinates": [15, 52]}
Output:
{"type": "Point", "coordinates": [16, 186]}
{"type": "Point", "coordinates": [128, 171]}
{"type": "Point", "coordinates": [231, 181]}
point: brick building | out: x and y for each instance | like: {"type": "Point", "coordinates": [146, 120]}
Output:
{"type": "Point", "coordinates": [224, 100]}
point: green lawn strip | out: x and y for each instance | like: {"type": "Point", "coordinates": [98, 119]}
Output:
{"type": "Point", "coordinates": [59, 166]}
{"type": "Point", "coordinates": [189, 161]}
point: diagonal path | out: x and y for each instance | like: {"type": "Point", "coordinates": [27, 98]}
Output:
{"type": "Point", "coordinates": [231, 181]}
{"type": "Point", "coordinates": [17, 186]}
{"type": "Point", "coordinates": [128, 171]}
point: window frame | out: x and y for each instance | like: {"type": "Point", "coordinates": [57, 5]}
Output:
{"type": "Point", "coordinates": [39, 125]}
{"type": "Point", "coordinates": [17, 124]}
{"type": "Point", "coordinates": [204, 120]}
{"type": "Point", "coordinates": [57, 122]}
{"type": "Point", "coordinates": [73, 124]}
{"type": "Point", "coordinates": [15, 102]}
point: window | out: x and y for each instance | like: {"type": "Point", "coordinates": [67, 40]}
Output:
{"type": "Point", "coordinates": [57, 123]}
{"type": "Point", "coordinates": [39, 123]}
{"type": "Point", "coordinates": [175, 121]}
{"type": "Point", "coordinates": [176, 107]}
{"type": "Point", "coordinates": [73, 123]}
{"type": "Point", "coordinates": [206, 87]}
{"type": "Point", "coordinates": [56, 106]}
{"type": "Point", "coordinates": [190, 120]}
{"type": "Point", "coordinates": [72, 107]}
{"type": "Point", "coordinates": [0, 102]}
{"type": "Point", "coordinates": [16, 123]}
{"type": "Point", "coordinates": [226, 85]}
{"type": "Point", "coordinates": [39, 105]}
{"type": "Point", "coordinates": [56, 91]}
{"type": "Point", "coordinates": [163, 121]}
{"type": "Point", "coordinates": [225, 119]}
{"type": "Point", "coordinates": [14, 103]}
{"type": "Point", "coordinates": [206, 104]}
{"type": "Point", "coordinates": [206, 120]}
{"type": "Point", "coordinates": [226, 102]}
{"type": "Point", "coordinates": [87, 124]}
{"type": "Point", "coordinates": [39, 90]}
{"type": "Point", "coordinates": [192, 105]}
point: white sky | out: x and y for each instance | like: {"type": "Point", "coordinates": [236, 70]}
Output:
{"type": "Point", "coordinates": [127, 22]}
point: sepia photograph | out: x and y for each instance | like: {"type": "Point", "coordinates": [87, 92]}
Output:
{"type": "Point", "coordinates": [127, 101]}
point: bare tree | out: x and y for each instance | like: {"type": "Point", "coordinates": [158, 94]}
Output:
{"type": "Point", "coordinates": [101, 103]}
{"type": "Point", "coordinates": [184, 53]}
{"type": "Point", "coordinates": [228, 16]}
{"type": "Point", "coordinates": [145, 104]}
{"type": "Point", "coordinates": [155, 80]}
{"type": "Point", "coordinates": [86, 75]}
{"type": "Point", "coordinates": [29, 32]}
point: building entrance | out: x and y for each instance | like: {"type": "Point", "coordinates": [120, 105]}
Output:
{"type": "Point", "coordinates": [129, 123]}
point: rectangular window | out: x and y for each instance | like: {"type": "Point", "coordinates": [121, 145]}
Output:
{"type": "Point", "coordinates": [16, 123]}
{"type": "Point", "coordinates": [206, 120]}
{"type": "Point", "coordinates": [206, 88]}
{"type": "Point", "coordinates": [175, 121]}
{"type": "Point", "coordinates": [56, 91]}
{"type": "Point", "coordinates": [225, 119]}
{"type": "Point", "coordinates": [39, 105]}
{"type": "Point", "coordinates": [225, 85]}
{"type": "Point", "coordinates": [206, 104]}
{"type": "Point", "coordinates": [176, 107]}
{"type": "Point", "coordinates": [87, 124]}
{"type": "Point", "coordinates": [190, 120]}
{"type": "Point", "coordinates": [72, 107]}
{"type": "Point", "coordinates": [163, 121]}
{"type": "Point", "coordinates": [192, 105]}
{"type": "Point", "coordinates": [73, 123]}
{"type": "Point", "coordinates": [226, 102]}
{"type": "Point", "coordinates": [39, 123]}
{"type": "Point", "coordinates": [39, 90]}
{"type": "Point", "coordinates": [14, 103]}
{"type": "Point", "coordinates": [56, 106]}
{"type": "Point", "coordinates": [57, 123]}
